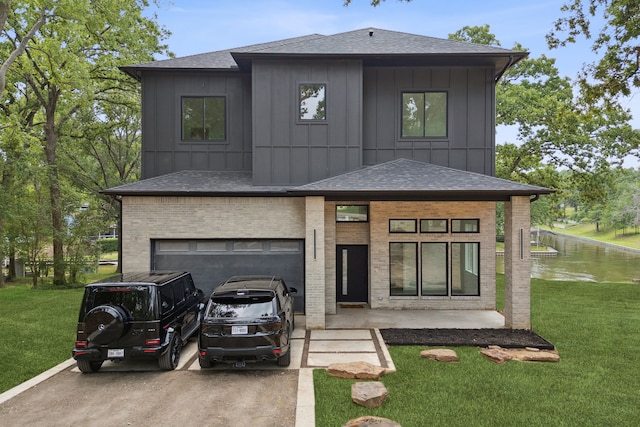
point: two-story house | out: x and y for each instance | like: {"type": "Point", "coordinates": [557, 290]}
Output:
{"type": "Point", "coordinates": [358, 166]}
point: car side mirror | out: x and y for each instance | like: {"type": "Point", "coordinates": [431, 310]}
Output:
{"type": "Point", "coordinates": [293, 291]}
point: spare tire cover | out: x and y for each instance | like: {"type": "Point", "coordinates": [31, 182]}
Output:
{"type": "Point", "coordinates": [105, 324]}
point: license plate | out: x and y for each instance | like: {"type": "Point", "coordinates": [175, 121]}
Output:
{"type": "Point", "coordinates": [239, 330]}
{"type": "Point", "coordinates": [115, 352]}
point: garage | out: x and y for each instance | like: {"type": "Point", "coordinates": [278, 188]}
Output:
{"type": "Point", "coordinates": [211, 262]}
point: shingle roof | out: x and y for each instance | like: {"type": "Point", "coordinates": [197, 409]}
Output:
{"type": "Point", "coordinates": [404, 177]}
{"type": "Point", "coordinates": [220, 59]}
{"type": "Point", "coordinates": [198, 183]}
{"type": "Point", "coordinates": [371, 44]}
{"type": "Point", "coordinates": [395, 180]}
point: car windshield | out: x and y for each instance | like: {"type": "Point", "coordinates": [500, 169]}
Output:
{"type": "Point", "coordinates": [135, 299]}
{"type": "Point", "coordinates": [241, 308]}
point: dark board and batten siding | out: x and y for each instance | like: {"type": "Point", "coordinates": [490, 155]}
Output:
{"type": "Point", "coordinates": [470, 144]}
{"type": "Point", "coordinates": [163, 150]}
{"type": "Point", "coordinates": [289, 151]}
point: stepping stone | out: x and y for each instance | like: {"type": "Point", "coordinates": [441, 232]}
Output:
{"type": "Point", "coordinates": [356, 370]}
{"type": "Point", "coordinates": [440, 354]}
{"type": "Point", "coordinates": [369, 394]}
{"type": "Point", "coordinates": [370, 421]}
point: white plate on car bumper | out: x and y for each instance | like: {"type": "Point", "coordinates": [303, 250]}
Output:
{"type": "Point", "coordinates": [115, 352]}
{"type": "Point", "coordinates": [239, 330]}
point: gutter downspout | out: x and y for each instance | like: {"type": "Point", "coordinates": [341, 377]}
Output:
{"type": "Point", "coordinates": [504, 70]}
{"type": "Point", "coordinates": [535, 197]}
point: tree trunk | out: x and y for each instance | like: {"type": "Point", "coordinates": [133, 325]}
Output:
{"type": "Point", "coordinates": [57, 220]}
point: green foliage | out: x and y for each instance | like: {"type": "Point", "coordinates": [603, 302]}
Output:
{"type": "Point", "coordinates": [72, 111]}
{"type": "Point", "coordinates": [614, 27]}
{"type": "Point", "coordinates": [108, 245]}
{"type": "Point", "coordinates": [583, 320]}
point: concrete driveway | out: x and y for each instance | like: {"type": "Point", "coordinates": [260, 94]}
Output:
{"type": "Point", "coordinates": [139, 394]}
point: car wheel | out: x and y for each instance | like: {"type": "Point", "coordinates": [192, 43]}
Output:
{"type": "Point", "coordinates": [105, 324]}
{"type": "Point", "coordinates": [286, 359]}
{"type": "Point", "coordinates": [204, 362]}
{"type": "Point", "coordinates": [89, 366]}
{"type": "Point", "coordinates": [169, 360]}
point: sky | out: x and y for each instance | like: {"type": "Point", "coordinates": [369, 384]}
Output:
{"type": "Point", "coordinates": [200, 26]}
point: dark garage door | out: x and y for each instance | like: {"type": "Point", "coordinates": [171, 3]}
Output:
{"type": "Point", "coordinates": [211, 262]}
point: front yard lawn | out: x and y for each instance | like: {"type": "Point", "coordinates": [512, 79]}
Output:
{"type": "Point", "coordinates": [38, 327]}
{"type": "Point", "coordinates": [594, 326]}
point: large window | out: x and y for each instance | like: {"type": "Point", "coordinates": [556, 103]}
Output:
{"type": "Point", "coordinates": [424, 114]}
{"type": "Point", "coordinates": [440, 268]}
{"type": "Point", "coordinates": [403, 268]}
{"type": "Point", "coordinates": [312, 102]}
{"type": "Point", "coordinates": [465, 274]}
{"type": "Point", "coordinates": [203, 118]}
{"type": "Point", "coordinates": [434, 269]}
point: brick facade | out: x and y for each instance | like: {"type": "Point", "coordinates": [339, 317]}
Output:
{"type": "Point", "coordinates": [517, 263]}
{"type": "Point", "coordinates": [149, 218]}
{"type": "Point", "coordinates": [314, 220]}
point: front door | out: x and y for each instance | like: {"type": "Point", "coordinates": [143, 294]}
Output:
{"type": "Point", "coordinates": [352, 273]}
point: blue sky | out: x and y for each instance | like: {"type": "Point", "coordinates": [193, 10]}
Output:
{"type": "Point", "coordinates": [199, 26]}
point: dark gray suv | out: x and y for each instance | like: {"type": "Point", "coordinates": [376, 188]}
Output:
{"type": "Point", "coordinates": [137, 315]}
{"type": "Point", "coordinates": [248, 319]}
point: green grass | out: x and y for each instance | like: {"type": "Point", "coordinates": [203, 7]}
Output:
{"type": "Point", "coordinates": [631, 238]}
{"type": "Point", "coordinates": [37, 327]}
{"type": "Point", "coordinates": [594, 326]}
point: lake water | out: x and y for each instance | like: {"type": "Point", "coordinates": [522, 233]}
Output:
{"type": "Point", "coordinates": [578, 260]}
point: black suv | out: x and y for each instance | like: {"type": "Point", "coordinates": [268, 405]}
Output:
{"type": "Point", "coordinates": [248, 319]}
{"type": "Point", "coordinates": [137, 315]}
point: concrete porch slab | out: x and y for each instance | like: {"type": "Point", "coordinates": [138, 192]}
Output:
{"type": "Point", "coordinates": [414, 319]}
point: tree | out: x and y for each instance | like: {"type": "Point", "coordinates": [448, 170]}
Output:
{"type": "Point", "coordinates": [70, 67]}
{"type": "Point", "coordinates": [552, 125]}
{"type": "Point", "coordinates": [617, 72]}
{"type": "Point", "coordinates": [19, 47]}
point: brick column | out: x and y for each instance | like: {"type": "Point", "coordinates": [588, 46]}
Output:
{"type": "Point", "coordinates": [314, 263]}
{"type": "Point", "coordinates": [517, 263]}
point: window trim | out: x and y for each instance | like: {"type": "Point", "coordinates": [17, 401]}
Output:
{"type": "Point", "coordinates": [299, 118]}
{"type": "Point", "coordinates": [405, 221]}
{"type": "Point", "coordinates": [424, 137]}
{"type": "Point", "coordinates": [225, 99]}
{"type": "Point", "coordinates": [352, 221]}
{"type": "Point", "coordinates": [447, 290]}
{"type": "Point", "coordinates": [465, 261]}
{"type": "Point", "coordinates": [476, 231]}
{"type": "Point", "coordinates": [417, 269]}
{"type": "Point", "coordinates": [446, 226]}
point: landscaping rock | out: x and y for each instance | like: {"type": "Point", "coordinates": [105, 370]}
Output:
{"type": "Point", "coordinates": [536, 356]}
{"type": "Point", "coordinates": [440, 354]}
{"type": "Point", "coordinates": [356, 370]}
{"type": "Point", "coordinates": [502, 355]}
{"type": "Point", "coordinates": [497, 355]}
{"type": "Point", "coordinates": [369, 394]}
{"type": "Point", "coordinates": [369, 421]}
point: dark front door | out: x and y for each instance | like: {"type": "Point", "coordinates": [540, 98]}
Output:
{"type": "Point", "coordinates": [352, 273]}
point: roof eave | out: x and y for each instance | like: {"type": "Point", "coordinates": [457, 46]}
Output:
{"type": "Point", "coordinates": [431, 196]}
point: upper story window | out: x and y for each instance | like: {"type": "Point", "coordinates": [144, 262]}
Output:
{"type": "Point", "coordinates": [424, 114]}
{"type": "Point", "coordinates": [203, 118]}
{"type": "Point", "coordinates": [312, 102]}
{"type": "Point", "coordinates": [352, 213]}
{"type": "Point", "coordinates": [465, 225]}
